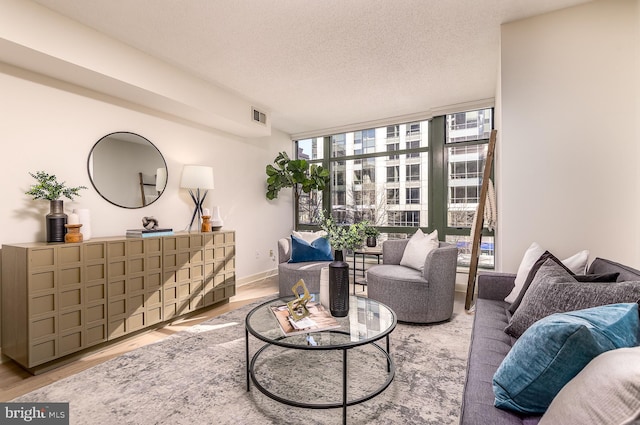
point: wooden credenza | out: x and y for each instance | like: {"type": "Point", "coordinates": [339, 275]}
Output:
{"type": "Point", "coordinates": [59, 299]}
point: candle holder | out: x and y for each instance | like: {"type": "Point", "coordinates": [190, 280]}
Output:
{"type": "Point", "coordinates": [73, 233]}
{"type": "Point", "coordinates": [206, 223]}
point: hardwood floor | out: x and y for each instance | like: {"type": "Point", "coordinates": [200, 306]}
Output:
{"type": "Point", "coordinates": [15, 381]}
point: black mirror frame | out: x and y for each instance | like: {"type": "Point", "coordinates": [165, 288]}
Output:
{"type": "Point", "coordinates": [89, 172]}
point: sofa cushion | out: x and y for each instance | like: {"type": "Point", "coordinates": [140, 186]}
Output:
{"type": "Point", "coordinates": [577, 263]}
{"type": "Point", "coordinates": [616, 375]}
{"type": "Point", "coordinates": [415, 253]}
{"type": "Point", "coordinates": [303, 251]}
{"type": "Point", "coordinates": [603, 277]}
{"type": "Point", "coordinates": [554, 290]}
{"type": "Point", "coordinates": [600, 277]}
{"type": "Point", "coordinates": [601, 265]}
{"type": "Point", "coordinates": [532, 273]}
{"type": "Point", "coordinates": [555, 349]}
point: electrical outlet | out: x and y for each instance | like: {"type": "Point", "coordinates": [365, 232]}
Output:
{"type": "Point", "coordinates": [271, 253]}
{"type": "Point", "coordinates": [257, 255]}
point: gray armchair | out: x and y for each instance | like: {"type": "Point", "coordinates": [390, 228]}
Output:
{"type": "Point", "coordinates": [415, 296]}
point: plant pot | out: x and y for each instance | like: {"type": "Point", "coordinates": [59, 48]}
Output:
{"type": "Point", "coordinates": [56, 219]}
{"type": "Point", "coordinates": [339, 286]}
{"type": "Point", "coordinates": [372, 241]}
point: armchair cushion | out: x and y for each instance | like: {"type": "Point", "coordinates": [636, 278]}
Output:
{"type": "Point", "coordinates": [303, 251]}
{"type": "Point", "coordinates": [417, 249]}
{"type": "Point", "coordinates": [309, 236]}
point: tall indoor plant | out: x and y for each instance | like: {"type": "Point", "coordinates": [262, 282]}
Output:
{"type": "Point", "coordinates": [295, 173]}
{"type": "Point", "coordinates": [48, 188]}
{"type": "Point", "coordinates": [341, 237]}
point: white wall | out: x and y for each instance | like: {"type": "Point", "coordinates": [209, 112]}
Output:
{"type": "Point", "coordinates": [567, 155]}
{"type": "Point", "coordinates": [51, 126]}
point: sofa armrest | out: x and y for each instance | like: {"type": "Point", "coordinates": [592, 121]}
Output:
{"type": "Point", "coordinates": [494, 285]}
{"type": "Point", "coordinates": [284, 250]}
{"type": "Point", "coordinates": [392, 250]}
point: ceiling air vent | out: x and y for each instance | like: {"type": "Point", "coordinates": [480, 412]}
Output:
{"type": "Point", "coordinates": [259, 117]}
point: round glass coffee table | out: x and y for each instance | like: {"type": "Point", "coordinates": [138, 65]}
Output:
{"type": "Point", "coordinates": [368, 322]}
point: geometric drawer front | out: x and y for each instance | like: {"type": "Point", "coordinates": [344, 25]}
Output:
{"type": "Point", "coordinates": [45, 257]}
{"type": "Point", "coordinates": [41, 281]}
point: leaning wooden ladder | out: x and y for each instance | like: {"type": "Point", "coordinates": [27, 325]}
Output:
{"type": "Point", "coordinates": [479, 221]}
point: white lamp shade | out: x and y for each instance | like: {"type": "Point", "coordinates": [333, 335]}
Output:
{"type": "Point", "coordinates": [161, 179]}
{"type": "Point", "coordinates": [197, 177]}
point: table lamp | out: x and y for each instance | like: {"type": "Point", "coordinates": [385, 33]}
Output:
{"type": "Point", "coordinates": [198, 179]}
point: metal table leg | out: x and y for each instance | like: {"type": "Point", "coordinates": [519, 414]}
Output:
{"type": "Point", "coordinates": [246, 339]}
{"type": "Point", "coordinates": [344, 386]}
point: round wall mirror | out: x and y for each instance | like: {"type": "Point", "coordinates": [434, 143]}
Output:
{"type": "Point", "coordinates": [127, 170]}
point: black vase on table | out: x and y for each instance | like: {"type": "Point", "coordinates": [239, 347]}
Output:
{"type": "Point", "coordinates": [339, 286]}
{"type": "Point", "coordinates": [56, 219]}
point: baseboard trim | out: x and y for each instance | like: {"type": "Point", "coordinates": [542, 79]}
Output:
{"type": "Point", "coordinates": [256, 277]}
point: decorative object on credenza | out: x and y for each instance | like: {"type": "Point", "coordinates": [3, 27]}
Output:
{"type": "Point", "coordinates": [206, 220]}
{"type": "Point", "coordinates": [298, 307]}
{"type": "Point", "coordinates": [84, 218]}
{"type": "Point", "coordinates": [73, 229]}
{"type": "Point", "coordinates": [148, 233]}
{"type": "Point", "coordinates": [197, 178]}
{"type": "Point", "coordinates": [341, 237]}
{"type": "Point", "coordinates": [149, 223]}
{"type": "Point", "coordinates": [216, 219]}
{"type": "Point", "coordinates": [150, 229]}
{"type": "Point", "coordinates": [50, 189]}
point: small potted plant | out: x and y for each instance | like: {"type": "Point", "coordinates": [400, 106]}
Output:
{"type": "Point", "coordinates": [48, 187]}
{"type": "Point", "coordinates": [371, 234]}
{"type": "Point", "coordinates": [341, 237]}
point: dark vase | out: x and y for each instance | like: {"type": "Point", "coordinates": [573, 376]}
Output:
{"type": "Point", "coordinates": [56, 219]}
{"type": "Point", "coordinates": [372, 241]}
{"type": "Point", "coordinates": [339, 286]}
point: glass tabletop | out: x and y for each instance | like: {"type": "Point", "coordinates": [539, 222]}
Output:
{"type": "Point", "coordinates": [367, 321]}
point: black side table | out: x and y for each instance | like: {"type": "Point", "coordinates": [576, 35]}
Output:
{"type": "Point", "coordinates": [362, 279]}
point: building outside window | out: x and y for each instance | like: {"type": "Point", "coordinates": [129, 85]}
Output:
{"type": "Point", "coordinates": [413, 195]}
{"type": "Point", "coordinates": [385, 175]}
{"type": "Point", "coordinates": [393, 196]}
{"type": "Point", "coordinates": [393, 174]}
{"type": "Point", "coordinates": [466, 150]}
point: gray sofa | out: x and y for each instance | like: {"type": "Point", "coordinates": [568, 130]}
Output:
{"type": "Point", "coordinates": [415, 296]}
{"type": "Point", "coordinates": [490, 344]}
{"type": "Point", "coordinates": [290, 273]}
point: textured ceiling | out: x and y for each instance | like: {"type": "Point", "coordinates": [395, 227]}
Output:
{"type": "Point", "coordinates": [316, 64]}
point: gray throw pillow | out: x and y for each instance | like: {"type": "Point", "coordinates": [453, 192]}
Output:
{"type": "Point", "coordinates": [554, 290]}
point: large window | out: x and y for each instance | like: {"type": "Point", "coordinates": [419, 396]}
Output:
{"type": "Point", "coordinates": [466, 150]}
{"type": "Point", "coordinates": [419, 174]}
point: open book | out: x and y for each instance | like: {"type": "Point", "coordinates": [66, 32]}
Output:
{"type": "Point", "coordinates": [319, 319]}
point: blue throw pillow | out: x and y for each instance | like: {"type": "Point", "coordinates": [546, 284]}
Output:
{"type": "Point", "coordinates": [554, 349]}
{"type": "Point", "coordinates": [318, 250]}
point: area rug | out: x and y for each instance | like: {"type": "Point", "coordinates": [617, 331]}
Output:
{"type": "Point", "coordinates": [198, 377]}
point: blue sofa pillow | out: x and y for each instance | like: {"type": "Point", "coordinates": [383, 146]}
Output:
{"type": "Point", "coordinates": [555, 349]}
{"type": "Point", "coordinates": [318, 250]}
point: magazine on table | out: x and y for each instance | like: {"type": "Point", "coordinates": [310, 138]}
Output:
{"type": "Point", "coordinates": [319, 319]}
